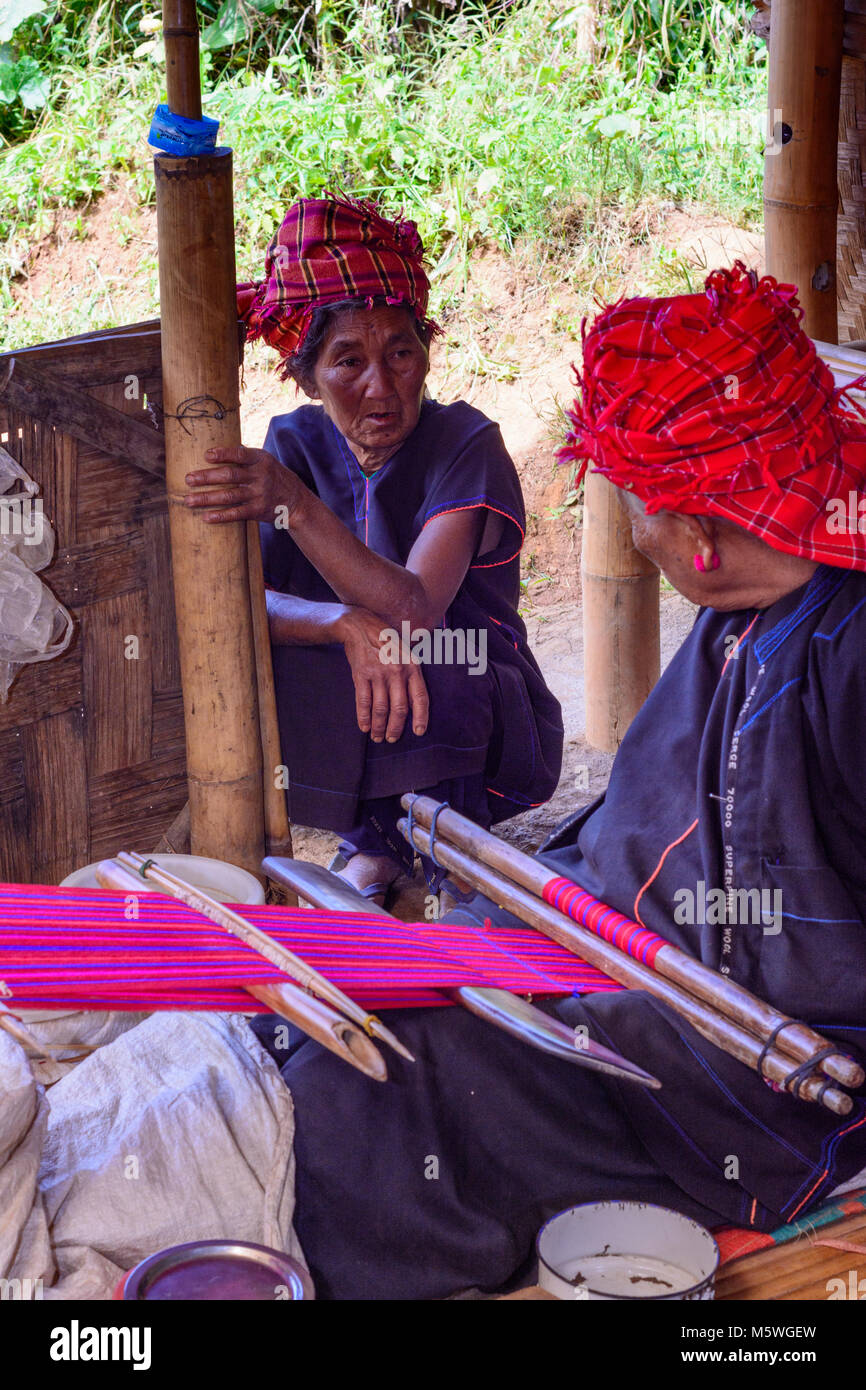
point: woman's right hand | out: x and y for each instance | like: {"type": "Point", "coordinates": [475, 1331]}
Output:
{"type": "Point", "coordinates": [386, 691]}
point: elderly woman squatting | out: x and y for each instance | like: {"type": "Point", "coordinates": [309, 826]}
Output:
{"type": "Point", "coordinates": [381, 508]}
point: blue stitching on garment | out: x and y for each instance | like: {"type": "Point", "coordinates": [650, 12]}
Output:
{"type": "Point", "coordinates": [771, 1133]}
{"type": "Point", "coordinates": [606, 1037]}
{"type": "Point", "coordinates": [823, 586]}
{"type": "Point", "coordinates": [347, 457]}
{"type": "Point", "coordinates": [771, 701]}
{"type": "Point", "coordinates": [831, 921]}
{"type": "Point", "coordinates": [828, 636]}
{"type": "Point", "coordinates": [828, 1145]}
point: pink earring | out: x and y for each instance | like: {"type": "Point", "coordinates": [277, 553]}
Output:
{"type": "Point", "coordinates": [699, 564]}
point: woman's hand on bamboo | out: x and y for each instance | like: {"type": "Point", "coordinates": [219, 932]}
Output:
{"type": "Point", "coordinates": [386, 691]}
{"type": "Point", "coordinates": [245, 485]}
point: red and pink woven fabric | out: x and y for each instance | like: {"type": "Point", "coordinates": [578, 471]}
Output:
{"type": "Point", "coordinates": [83, 948]}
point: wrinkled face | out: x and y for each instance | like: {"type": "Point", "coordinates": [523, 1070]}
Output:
{"type": "Point", "coordinates": [370, 376]}
{"type": "Point", "coordinates": [665, 539]}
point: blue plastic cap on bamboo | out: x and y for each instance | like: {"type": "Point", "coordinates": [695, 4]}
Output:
{"type": "Point", "coordinates": [173, 134]}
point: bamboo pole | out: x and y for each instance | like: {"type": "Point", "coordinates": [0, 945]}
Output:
{"type": "Point", "coordinates": [200, 364]}
{"type": "Point", "coordinates": [798, 1041]}
{"type": "Point", "coordinates": [800, 183]}
{"type": "Point", "coordinates": [278, 832]}
{"type": "Point", "coordinates": [621, 650]}
{"type": "Point", "coordinates": [182, 74]}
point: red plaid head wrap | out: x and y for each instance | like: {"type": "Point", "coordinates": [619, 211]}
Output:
{"type": "Point", "coordinates": [327, 250]}
{"type": "Point", "coordinates": [717, 404]}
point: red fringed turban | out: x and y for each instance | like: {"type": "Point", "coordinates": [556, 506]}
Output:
{"type": "Point", "coordinates": [327, 250]}
{"type": "Point", "coordinates": [717, 404]}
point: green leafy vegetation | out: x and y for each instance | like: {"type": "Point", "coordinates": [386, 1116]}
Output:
{"type": "Point", "coordinates": [484, 123]}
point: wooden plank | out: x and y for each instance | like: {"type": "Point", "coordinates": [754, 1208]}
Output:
{"type": "Point", "coordinates": [47, 398]}
{"type": "Point", "coordinates": [110, 355]}
{"type": "Point", "coordinates": [117, 687]}
{"type": "Point", "coordinates": [65, 471]}
{"type": "Point", "coordinates": [95, 358]}
{"type": "Point", "coordinates": [56, 782]}
{"type": "Point", "coordinates": [43, 689]}
{"type": "Point", "coordinates": [163, 629]}
{"type": "Point", "coordinates": [168, 737]}
{"type": "Point", "coordinates": [132, 807]}
{"type": "Point", "coordinates": [14, 847]}
{"type": "Point", "coordinates": [109, 492]}
{"type": "Point", "coordinates": [87, 573]}
{"type": "Point", "coordinates": [799, 1269]}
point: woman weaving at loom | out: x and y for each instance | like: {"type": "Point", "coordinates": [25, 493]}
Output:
{"type": "Point", "coordinates": [384, 515]}
{"type": "Point", "coordinates": [745, 769]}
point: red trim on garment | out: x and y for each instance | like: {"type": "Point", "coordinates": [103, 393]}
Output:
{"type": "Point", "coordinates": [473, 507]}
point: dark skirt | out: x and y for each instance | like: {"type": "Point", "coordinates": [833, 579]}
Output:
{"type": "Point", "coordinates": [440, 1179]}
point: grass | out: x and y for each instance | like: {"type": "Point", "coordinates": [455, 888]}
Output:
{"type": "Point", "coordinates": [488, 125]}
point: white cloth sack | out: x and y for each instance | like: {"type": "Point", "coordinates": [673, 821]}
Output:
{"type": "Point", "coordinates": [180, 1129]}
{"type": "Point", "coordinates": [34, 625]}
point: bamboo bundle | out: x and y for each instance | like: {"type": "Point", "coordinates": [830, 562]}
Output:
{"type": "Point", "coordinates": [723, 1012]}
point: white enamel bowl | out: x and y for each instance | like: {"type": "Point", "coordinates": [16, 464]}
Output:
{"type": "Point", "coordinates": [626, 1250]}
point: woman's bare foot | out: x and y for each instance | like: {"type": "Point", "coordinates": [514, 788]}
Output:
{"type": "Point", "coordinates": [363, 871]}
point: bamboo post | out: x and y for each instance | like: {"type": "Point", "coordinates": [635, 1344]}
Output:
{"type": "Point", "coordinates": [800, 182]}
{"type": "Point", "coordinates": [278, 832]}
{"type": "Point", "coordinates": [621, 651]}
{"type": "Point", "coordinates": [195, 225]}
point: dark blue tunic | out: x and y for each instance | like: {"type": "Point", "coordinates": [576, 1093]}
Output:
{"type": "Point", "coordinates": [766, 752]}
{"type": "Point", "coordinates": [500, 733]}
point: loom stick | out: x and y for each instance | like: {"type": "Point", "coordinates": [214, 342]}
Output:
{"type": "Point", "coordinates": [315, 1018]}
{"type": "Point", "coordinates": [798, 1041]}
{"type": "Point", "coordinates": [259, 940]}
{"type": "Point", "coordinates": [499, 1007]}
{"type": "Point", "coordinates": [200, 363]}
{"type": "Point", "coordinates": [11, 1024]}
{"type": "Point", "coordinates": [717, 1029]}
{"type": "Point", "coordinates": [15, 1028]}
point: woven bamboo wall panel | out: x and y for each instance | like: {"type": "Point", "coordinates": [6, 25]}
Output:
{"type": "Point", "coordinates": [92, 753]}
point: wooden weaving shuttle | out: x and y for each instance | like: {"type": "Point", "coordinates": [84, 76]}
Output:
{"type": "Point", "coordinates": [523, 1020]}
{"type": "Point", "coordinates": [498, 1007]}
{"type": "Point", "coordinates": [315, 1018]}
{"type": "Point", "coordinates": [144, 869]}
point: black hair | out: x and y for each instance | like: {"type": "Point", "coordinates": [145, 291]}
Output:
{"type": "Point", "coordinates": [300, 365]}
